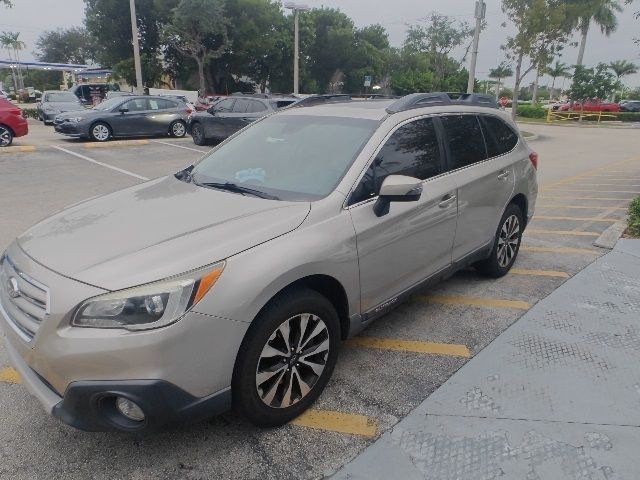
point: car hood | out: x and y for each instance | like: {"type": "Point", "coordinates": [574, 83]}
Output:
{"type": "Point", "coordinates": [62, 106]}
{"type": "Point", "coordinates": [154, 230]}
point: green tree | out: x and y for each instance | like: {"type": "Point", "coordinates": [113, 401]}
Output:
{"type": "Point", "coordinates": [600, 12]}
{"type": "Point", "coordinates": [11, 41]}
{"type": "Point", "coordinates": [6, 3]}
{"type": "Point", "coordinates": [198, 29]}
{"type": "Point", "coordinates": [542, 31]}
{"type": "Point", "coordinates": [591, 83]}
{"type": "Point", "coordinates": [622, 68]}
{"type": "Point", "coordinates": [558, 69]}
{"type": "Point", "coordinates": [370, 56]}
{"type": "Point", "coordinates": [500, 72]}
{"type": "Point", "coordinates": [71, 45]}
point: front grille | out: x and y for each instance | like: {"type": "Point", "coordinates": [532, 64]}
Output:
{"type": "Point", "coordinates": [24, 302]}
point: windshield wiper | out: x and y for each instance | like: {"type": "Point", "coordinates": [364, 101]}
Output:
{"type": "Point", "coordinates": [234, 187]}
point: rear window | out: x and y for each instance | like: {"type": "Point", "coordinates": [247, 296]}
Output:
{"type": "Point", "coordinates": [499, 136]}
{"type": "Point", "coordinates": [464, 139]}
{"type": "Point", "coordinates": [283, 103]}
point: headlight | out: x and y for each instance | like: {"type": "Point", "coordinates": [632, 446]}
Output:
{"type": "Point", "coordinates": [149, 306]}
{"type": "Point", "coordinates": [73, 119]}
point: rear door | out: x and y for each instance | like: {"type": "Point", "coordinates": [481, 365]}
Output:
{"type": "Point", "coordinates": [485, 185]}
{"type": "Point", "coordinates": [161, 113]}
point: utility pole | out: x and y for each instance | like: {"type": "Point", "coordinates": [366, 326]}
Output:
{"type": "Point", "coordinates": [296, 41]}
{"type": "Point", "coordinates": [481, 8]}
{"type": "Point", "coordinates": [136, 47]}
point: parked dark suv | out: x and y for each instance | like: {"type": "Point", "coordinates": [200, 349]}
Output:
{"type": "Point", "coordinates": [231, 114]}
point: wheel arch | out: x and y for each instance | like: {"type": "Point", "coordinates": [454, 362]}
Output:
{"type": "Point", "coordinates": [93, 124]}
{"type": "Point", "coordinates": [521, 201]}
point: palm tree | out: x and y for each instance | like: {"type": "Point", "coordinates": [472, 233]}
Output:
{"type": "Point", "coordinates": [501, 71]}
{"type": "Point", "coordinates": [559, 69]}
{"type": "Point", "coordinates": [621, 68]}
{"type": "Point", "coordinates": [6, 41]}
{"type": "Point", "coordinates": [602, 13]}
{"type": "Point", "coordinates": [17, 45]}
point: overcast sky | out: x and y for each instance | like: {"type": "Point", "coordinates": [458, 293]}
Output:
{"type": "Point", "coordinates": [31, 17]}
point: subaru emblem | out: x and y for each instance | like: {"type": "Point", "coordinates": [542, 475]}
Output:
{"type": "Point", "coordinates": [12, 288]}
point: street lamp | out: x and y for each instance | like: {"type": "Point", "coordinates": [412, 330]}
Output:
{"type": "Point", "coordinates": [296, 54]}
{"type": "Point", "coordinates": [481, 9]}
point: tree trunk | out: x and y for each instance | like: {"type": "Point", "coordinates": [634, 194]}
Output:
{"type": "Point", "coordinates": [201, 78]}
{"type": "Point", "coordinates": [553, 83]}
{"type": "Point", "coordinates": [583, 42]}
{"type": "Point", "coordinates": [516, 88]}
{"type": "Point", "coordinates": [498, 89]}
{"type": "Point", "coordinates": [534, 95]}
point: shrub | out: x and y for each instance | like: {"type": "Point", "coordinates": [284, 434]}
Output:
{"type": "Point", "coordinates": [528, 111]}
{"type": "Point", "coordinates": [30, 113]}
{"type": "Point", "coordinates": [634, 217]}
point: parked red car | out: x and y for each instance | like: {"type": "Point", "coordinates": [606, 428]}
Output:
{"type": "Point", "coordinates": [591, 106]}
{"type": "Point", "coordinates": [12, 123]}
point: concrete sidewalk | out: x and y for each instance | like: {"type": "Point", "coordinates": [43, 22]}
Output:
{"type": "Point", "coordinates": [556, 396]}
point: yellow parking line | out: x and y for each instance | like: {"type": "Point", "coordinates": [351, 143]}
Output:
{"type": "Point", "coordinates": [18, 148]}
{"type": "Point", "coordinates": [410, 346]}
{"type": "Point", "coordinates": [578, 219]}
{"type": "Point", "coordinates": [584, 207]}
{"type": "Point", "coordinates": [597, 191]}
{"type": "Point", "coordinates": [606, 185]}
{"type": "Point", "coordinates": [474, 301]}
{"type": "Point", "coordinates": [585, 198]}
{"type": "Point", "coordinates": [9, 375]}
{"type": "Point", "coordinates": [337, 422]}
{"type": "Point", "coordinates": [580, 251]}
{"type": "Point", "coordinates": [593, 171]}
{"type": "Point", "coordinates": [116, 143]}
{"type": "Point", "coordinates": [540, 231]}
{"type": "Point", "coordinates": [541, 273]}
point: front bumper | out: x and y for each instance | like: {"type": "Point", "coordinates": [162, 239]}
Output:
{"type": "Point", "coordinates": [20, 127]}
{"type": "Point", "coordinates": [90, 405]}
{"type": "Point", "coordinates": [69, 129]}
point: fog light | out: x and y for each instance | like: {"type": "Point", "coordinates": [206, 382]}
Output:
{"type": "Point", "coordinates": [129, 409]}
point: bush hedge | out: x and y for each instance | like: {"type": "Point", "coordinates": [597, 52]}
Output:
{"type": "Point", "coordinates": [528, 111]}
{"type": "Point", "coordinates": [30, 113]}
{"type": "Point", "coordinates": [634, 217]}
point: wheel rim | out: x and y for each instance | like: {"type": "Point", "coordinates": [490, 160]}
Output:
{"type": "Point", "coordinates": [292, 360]}
{"type": "Point", "coordinates": [508, 240]}
{"type": "Point", "coordinates": [197, 133]}
{"type": "Point", "coordinates": [5, 137]}
{"type": "Point", "coordinates": [100, 132]}
{"type": "Point", "coordinates": [178, 129]}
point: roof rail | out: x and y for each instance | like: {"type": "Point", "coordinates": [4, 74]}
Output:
{"type": "Point", "coordinates": [312, 100]}
{"type": "Point", "coordinates": [419, 100]}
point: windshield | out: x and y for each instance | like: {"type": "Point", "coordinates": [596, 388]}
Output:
{"type": "Point", "coordinates": [108, 104]}
{"type": "Point", "coordinates": [292, 157]}
{"type": "Point", "coordinates": [61, 97]}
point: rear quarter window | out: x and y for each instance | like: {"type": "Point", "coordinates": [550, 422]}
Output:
{"type": "Point", "coordinates": [500, 137]}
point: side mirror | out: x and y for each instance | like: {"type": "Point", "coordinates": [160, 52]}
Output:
{"type": "Point", "coordinates": [123, 110]}
{"type": "Point", "coordinates": [212, 111]}
{"type": "Point", "coordinates": [397, 188]}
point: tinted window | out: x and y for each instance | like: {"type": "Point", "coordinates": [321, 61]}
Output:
{"type": "Point", "coordinates": [256, 107]}
{"type": "Point", "coordinates": [464, 138]}
{"type": "Point", "coordinates": [241, 105]}
{"type": "Point", "coordinates": [137, 105]}
{"type": "Point", "coordinates": [60, 97]}
{"type": "Point", "coordinates": [161, 104]}
{"type": "Point", "coordinates": [224, 105]}
{"type": "Point", "coordinates": [499, 136]}
{"type": "Point", "coordinates": [412, 150]}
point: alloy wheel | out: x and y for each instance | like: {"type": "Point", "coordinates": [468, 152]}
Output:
{"type": "Point", "coordinates": [178, 129]}
{"type": "Point", "coordinates": [292, 361]}
{"type": "Point", "coordinates": [100, 132]}
{"type": "Point", "coordinates": [5, 137]}
{"type": "Point", "coordinates": [508, 240]}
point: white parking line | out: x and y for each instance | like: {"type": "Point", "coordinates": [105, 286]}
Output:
{"type": "Point", "coordinates": [126, 172]}
{"type": "Point", "coordinates": [180, 146]}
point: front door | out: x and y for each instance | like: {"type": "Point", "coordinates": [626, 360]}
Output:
{"type": "Point", "coordinates": [215, 125]}
{"type": "Point", "coordinates": [485, 185]}
{"type": "Point", "coordinates": [132, 122]}
{"type": "Point", "coordinates": [414, 240]}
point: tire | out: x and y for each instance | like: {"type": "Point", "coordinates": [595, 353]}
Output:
{"type": "Point", "coordinates": [178, 129]}
{"type": "Point", "coordinates": [271, 387]}
{"type": "Point", "coordinates": [197, 133]}
{"type": "Point", "coordinates": [100, 132]}
{"type": "Point", "coordinates": [6, 136]}
{"type": "Point", "coordinates": [503, 254]}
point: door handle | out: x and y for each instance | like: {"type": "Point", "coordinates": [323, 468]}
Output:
{"type": "Point", "coordinates": [447, 200]}
{"type": "Point", "coordinates": [504, 174]}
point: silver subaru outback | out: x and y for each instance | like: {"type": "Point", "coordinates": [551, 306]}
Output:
{"type": "Point", "coordinates": [234, 281]}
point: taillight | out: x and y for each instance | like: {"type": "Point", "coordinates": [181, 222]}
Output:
{"type": "Point", "coordinates": [533, 156]}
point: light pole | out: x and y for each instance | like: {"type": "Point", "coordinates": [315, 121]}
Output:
{"type": "Point", "coordinates": [481, 8]}
{"type": "Point", "coordinates": [296, 41]}
{"type": "Point", "coordinates": [136, 47]}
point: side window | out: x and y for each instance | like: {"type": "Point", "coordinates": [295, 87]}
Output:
{"type": "Point", "coordinates": [137, 105]}
{"type": "Point", "coordinates": [499, 136]}
{"type": "Point", "coordinates": [412, 150]}
{"type": "Point", "coordinates": [241, 105]}
{"type": "Point", "coordinates": [464, 138]}
{"type": "Point", "coordinates": [256, 107]}
{"type": "Point", "coordinates": [224, 105]}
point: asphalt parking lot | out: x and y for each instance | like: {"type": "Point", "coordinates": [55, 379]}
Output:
{"type": "Point", "coordinates": [587, 177]}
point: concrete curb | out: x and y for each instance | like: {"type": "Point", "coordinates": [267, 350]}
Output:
{"type": "Point", "coordinates": [611, 235]}
{"type": "Point", "coordinates": [531, 137]}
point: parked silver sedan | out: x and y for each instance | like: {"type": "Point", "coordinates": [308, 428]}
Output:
{"type": "Point", "coordinates": [234, 281]}
{"type": "Point", "coordinates": [126, 116]}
